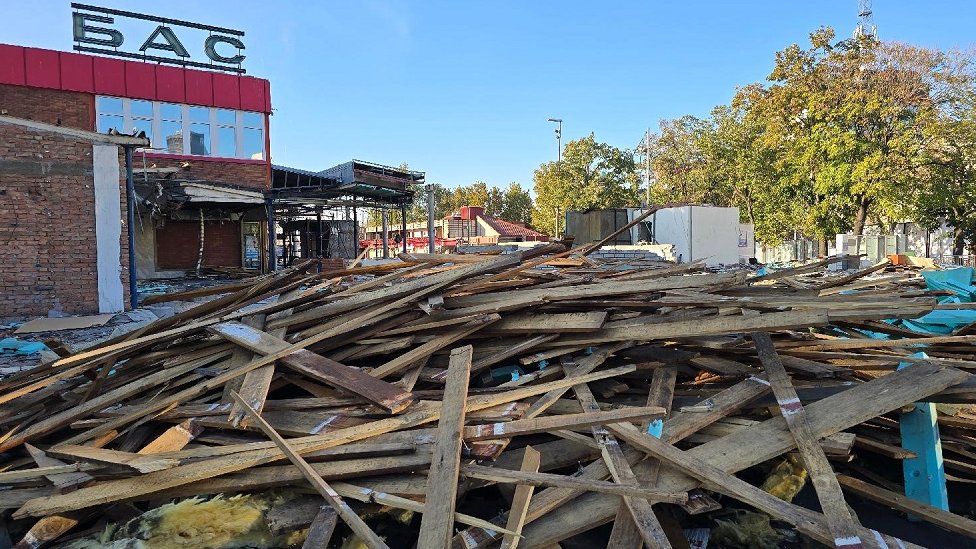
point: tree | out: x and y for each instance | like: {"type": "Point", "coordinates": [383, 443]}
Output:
{"type": "Point", "coordinates": [684, 157]}
{"type": "Point", "coordinates": [495, 203]}
{"type": "Point", "coordinates": [590, 175]}
{"type": "Point", "coordinates": [516, 204]}
{"type": "Point", "coordinates": [946, 189]}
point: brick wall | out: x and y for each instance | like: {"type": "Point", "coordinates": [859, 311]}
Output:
{"type": "Point", "coordinates": [64, 108]}
{"type": "Point", "coordinates": [75, 110]}
{"type": "Point", "coordinates": [47, 224]}
{"type": "Point", "coordinates": [221, 244]}
{"type": "Point", "coordinates": [250, 175]}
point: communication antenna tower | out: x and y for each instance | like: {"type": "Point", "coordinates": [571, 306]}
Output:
{"type": "Point", "coordinates": [865, 22]}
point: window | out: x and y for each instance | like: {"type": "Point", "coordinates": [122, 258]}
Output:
{"type": "Point", "coordinates": [200, 131]}
{"type": "Point", "coordinates": [142, 118]}
{"type": "Point", "coordinates": [253, 135]}
{"type": "Point", "coordinates": [226, 133]}
{"type": "Point", "coordinates": [171, 128]}
{"type": "Point", "coordinates": [110, 115]}
{"type": "Point", "coordinates": [186, 129]}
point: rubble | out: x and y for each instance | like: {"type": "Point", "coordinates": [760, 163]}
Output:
{"type": "Point", "coordinates": [523, 399]}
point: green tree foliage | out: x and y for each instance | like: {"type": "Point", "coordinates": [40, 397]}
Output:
{"type": "Point", "coordinates": [841, 134]}
{"type": "Point", "coordinates": [946, 189]}
{"type": "Point", "coordinates": [590, 175]}
{"type": "Point", "coordinates": [516, 204]}
{"type": "Point", "coordinates": [513, 203]}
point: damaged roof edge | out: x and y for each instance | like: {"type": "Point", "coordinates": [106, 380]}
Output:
{"type": "Point", "coordinates": [93, 137]}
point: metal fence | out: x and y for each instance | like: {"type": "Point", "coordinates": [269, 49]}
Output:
{"type": "Point", "coordinates": [958, 260]}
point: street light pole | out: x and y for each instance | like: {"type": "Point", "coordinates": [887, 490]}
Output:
{"type": "Point", "coordinates": [559, 138]}
{"type": "Point", "coordinates": [559, 157]}
{"type": "Point", "coordinates": [430, 218]}
{"type": "Point", "coordinates": [647, 167]}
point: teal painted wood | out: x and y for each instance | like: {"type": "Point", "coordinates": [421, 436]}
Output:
{"type": "Point", "coordinates": [925, 475]}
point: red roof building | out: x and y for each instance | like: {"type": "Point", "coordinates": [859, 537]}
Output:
{"type": "Point", "coordinates": [470, 226]}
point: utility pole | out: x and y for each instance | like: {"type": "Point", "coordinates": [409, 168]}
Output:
{"type": "Point", "coordinates": [386, 233]}
{"type": "Point", "coordinates": [559, 138]}
{"type": "Point", "coordinates": [647, 167]}
{"type": "Point", "coordinates": [430, 218]}
{"type": "Point", "coordinates": [559, 158]}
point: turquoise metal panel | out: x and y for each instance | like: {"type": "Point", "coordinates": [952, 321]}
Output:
{"type": "Point", "coordinates": [924, 475]}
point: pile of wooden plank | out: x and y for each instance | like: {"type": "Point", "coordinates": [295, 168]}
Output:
{"type": "Point", "coordinates": [518, 399]}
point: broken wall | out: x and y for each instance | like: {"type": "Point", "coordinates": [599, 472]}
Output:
{"type": "Point", "coordinates": [50, 240]}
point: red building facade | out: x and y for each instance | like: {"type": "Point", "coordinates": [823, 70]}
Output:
{"type": "Point", "coordinates": [209, 159]}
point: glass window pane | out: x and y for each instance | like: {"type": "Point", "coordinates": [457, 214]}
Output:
{"type": "Point", "coordinates": [226, 117]}
{"type": "Point", "coordinates": [142, 109]}
{"type": "Point", "coordinates": [200, 139]}
{"type": "Point", "coordinates": [169, 111]}
{"type": "Point", "coordinates": [227, 142]}
{"type": "Point", "coordinates": [173, 134]}
{"type": "Point", "coordinates": [254, 120]}
{"type": "Point", "coordinates": [108, 121]}
{"type": "Point", "coordinates": [199, 114]}
{"type": "Point", "coordinates": [109, 105]}
{"type": "Point", "coordinates": [253, 144]}
{"type": "Point", "coordinates": [143, 126]}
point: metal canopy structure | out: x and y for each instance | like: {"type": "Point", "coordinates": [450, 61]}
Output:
{"type": "Point", "coordinates": [355, 184]}
{"type": "Point", "coordinates": [328, 197]}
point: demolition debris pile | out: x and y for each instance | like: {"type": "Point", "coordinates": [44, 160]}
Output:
{"type": "Point", "coordinates": [518, 399]}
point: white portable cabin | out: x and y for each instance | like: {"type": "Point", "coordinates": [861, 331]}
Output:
{"type": "Point", "coordinates": [700, 232]}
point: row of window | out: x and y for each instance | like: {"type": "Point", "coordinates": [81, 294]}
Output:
{"type": "Point", "coordinates": [186, 129]}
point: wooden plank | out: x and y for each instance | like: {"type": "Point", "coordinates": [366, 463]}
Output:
{"type": "Point", "coordinates": [520, 503]}
{"type": "Point", "coordinates": [810, 367]}
{"type": "Point", "coordinates": [551, 323]}
{"type": "Point", "coordinates": [496, 474]}
{"type": "Point", "coordinates": [601, 289]}
{"type": "Point", "coordinates": [254, 386]}
{"type": "Point", "coordinates": [841, 522]}
{"type": "Point", "coordinates": [567, 421]}
{"type": "Point", "coordinates": [7, 477]}
{"type": "Point", "coordinates": [808, 522]}
{"type": "Point", "coordinates": [103, 400]}
{"type": "Point", "coordinates": [239, 357]}
{"type": "Point", "coordinates": [354, 380]}
{"type": "Point", "coordinates": [173, 439]}
{"type": "Point", "coordinates": [515, 349]}
{"type": "Point", "coordinates": [765, 441]}
{"type": "Point", "coordinates": [723, 366]}
{"type": "Point", "coordinates": [878, 447]}
{"type": "Point", "coordinates": [641, 511]}
{"type": "Point", "coordinates": [934, 515]}
{"type": "Point", "coordinates": [416, 288]}
{"type": "Point", "coordinates": [437, 524]}
{"type": "Point", "coordinates": [625, 533]}
{"type": "Point", "coordinates": [407, 359]}
{"type": "Point", "coordinates": [63, 481]}
{"type": "Point", "coordinates": [232, 458]}
{"type": "Point", "coordinates": [584, 366]}
{"type": "Point", "coordinates": [702, 327]}
{"type": "Point", "coordinates": [136, 462]}
{"type": "Point", "coordinates": [848, 344]}
{"type": "Point", "coordinates": [320, 532]}
{"type": "Point", "coordinates": [722, 404]}
{"type": "Point", "coordinates": [361, 529]}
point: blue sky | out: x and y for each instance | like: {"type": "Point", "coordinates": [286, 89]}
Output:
{"type": "Point", "coordinates": [462, 89]}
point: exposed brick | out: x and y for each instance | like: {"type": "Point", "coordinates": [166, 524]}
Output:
{"type": "Point", "coordinates": [47, 227]}
{"type": "Point", "coordinates": [63, 108]}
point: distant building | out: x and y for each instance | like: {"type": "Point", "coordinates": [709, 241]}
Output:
{"type": "Point", "coordinates": [470, 226]}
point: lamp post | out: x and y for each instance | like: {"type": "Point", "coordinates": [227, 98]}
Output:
{"type": "Point", "coordinates": [430, 218]}
{"type": "Point", "coordinates": [559, 157]}
{"type": "Point", "coordinates": [559, 138]}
